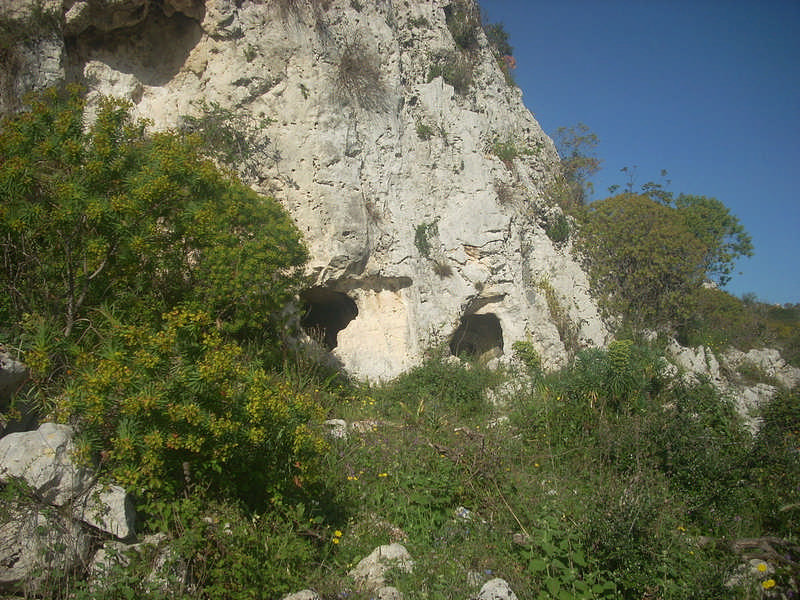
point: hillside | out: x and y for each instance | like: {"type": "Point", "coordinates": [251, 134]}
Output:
{"type": "Point", "coordinates": [300, 302]}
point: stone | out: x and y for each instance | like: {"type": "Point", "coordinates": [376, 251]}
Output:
{"type": "Point", "coordinates": [370, 573]}
{"type": "Point", "coordinates": [12, 375]}
{"type": "Point", "coordinates": [303, 595]}
{"type": "Point", "coordinates": [698, 362]}
{"type": "Point", "coordinates": [43, 459]}
{"type": "Point", "coordinates": [168, 573]}
{"type": "Point", "coordinates": [336, 428]}
{"type": "Point", "coordinates": [496, 589]}
{"type": "Point", "coordinates": [768, 360]}
{"type": "Point", "coordinates": [108, 508]}
{"type": "Point", "coordinates": [388, 592]}
{"type": "Point", "coordinates": [38, 547]}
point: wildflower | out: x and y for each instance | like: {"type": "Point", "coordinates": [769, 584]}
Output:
{"type": "Point", "coordinates": [762, 567]}
{"type": "Point", "coordinates": [383, 474]}
{"type": "Point", "coordinates": [768, 584]}
{"type": "Point", "coordinates": [536, 465]}
{"type": "Point", "coordinates": [681, 528]}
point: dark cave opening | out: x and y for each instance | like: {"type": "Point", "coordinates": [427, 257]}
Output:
{"type": "Point", "coordinates": [326, 314]}
{"type": "Point", "coordinates": [476, 335]}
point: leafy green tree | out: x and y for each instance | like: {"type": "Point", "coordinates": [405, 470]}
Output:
{"type": "Point", "coordinates": [644, 260]}
{"type": "Point", "coordinates": [721, 232]}
{"type": "Point", "coordinates": [110, 214]}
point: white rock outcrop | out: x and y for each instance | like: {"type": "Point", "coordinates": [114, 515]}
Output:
{"type": "Point", "coordinates": [43, 459]}
{"type": "Point", "coordinates": [370, 573]}
{"type": "Point", "coordinates": [420, 235]}
{"type": "Point", "coordinates": [496, 589]}
{"type": "Point", "coordinates": [38, 547]}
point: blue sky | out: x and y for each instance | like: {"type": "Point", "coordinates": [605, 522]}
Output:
{"type": "Point", "coordinates": [707, 89]}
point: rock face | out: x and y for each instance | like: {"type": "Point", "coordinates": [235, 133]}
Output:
{"type": "Point", "coordinates": [420, 235]}
{"type": "Point", "coordinates": [45, 533]}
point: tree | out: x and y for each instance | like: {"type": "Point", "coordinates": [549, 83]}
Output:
{"type": "Point", "coordinates": [572, 188]}
{"type": "Point", "coordinates": [110, 214]}
{"type": "Point", "coordinates": [644, 260]}
{"type": "Point", "coordinates": [721, 232]}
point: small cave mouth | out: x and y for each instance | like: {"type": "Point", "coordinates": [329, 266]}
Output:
{"type": "Point", "coordinates": [476, 335]}
{"type": "Point", "coordinates": [326, 313]}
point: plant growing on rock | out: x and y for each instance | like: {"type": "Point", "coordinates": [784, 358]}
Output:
{"type": "Point", "coordinates": [455, 68]}
{"type": "Point", "coordinates": [463, 21]}
{"type": "Point", "coordinates": [358, 76]}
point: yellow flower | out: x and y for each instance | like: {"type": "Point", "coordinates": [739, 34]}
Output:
{"type": "Point", "coordinates": [762, 567]}
{"type": "Point", "coordinates": [769, 583]}
{"type": "Point", "coordinates": [337, 533]}
{"type": "Point", "coordinates": [383, 474]}
{"type": "Point", "coordinates": [335, 540]}
{"type": "Point", "coordinates": [681, 528]}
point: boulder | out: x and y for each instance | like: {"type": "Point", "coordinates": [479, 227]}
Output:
{"type": "Point", "coordinates": [496, 589]}
{"type": "Point", "coordinates": [370, 573]}
{"type": "Point", "coordinates": [38, 547]}
{"type": "Point", "coordinates": [303, 595]}
{"type": "Point", "coordinates": [12, 375]}
{"type": "Point", "coordinates": [43, 459]}
{"type": "Point", "coordinates": [108, 508]}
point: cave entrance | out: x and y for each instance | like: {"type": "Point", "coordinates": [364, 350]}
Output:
{"type": "Point", "coordinates": [476, 335]}
{"type": "Point", "coordinates": [326, 314]}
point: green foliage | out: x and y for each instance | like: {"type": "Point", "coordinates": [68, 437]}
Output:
{"type": "Point", "coordinates": [178, 407]}
{"type": "Point", "coordinates": [558, 230]}
{"type": "Point", "coordinates": [358, 79]}
{"type": "Point", "coordinates": [571, 188]}
{"type": "Point", "coordinates": [775, 465]}
{"type": "Point", "coordinates": [509, 149]}
{"type": "Point", "coordinates": [455, 68]}
{"type": "Point", "coordinates": [112, 212]}
{"type": "Point", "coordinates": [528, 355]}
{"type": "Point", "coordinates": [441, 387]}
{"type": "Point", "coordinates": [424, 131]}
{"type": "Point", "coordinates": [720, 232]}
{"type": "Point", "coordinates": [464, 21]}
{"type": "Point", "coordinates": [568, 331]}
{"type": "Point", "coordinates": [498, 38]}
{"type": "Point", "coordinates": [645, 263]}
{"type": "Point", "coordinates": [423, 234]}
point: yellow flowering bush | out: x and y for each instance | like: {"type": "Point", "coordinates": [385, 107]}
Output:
{"type": "Point", "coordinates": [182, 407]}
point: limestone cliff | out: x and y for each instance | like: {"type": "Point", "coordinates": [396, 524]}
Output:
{"type": "Point", "coordinates": [419, 233]}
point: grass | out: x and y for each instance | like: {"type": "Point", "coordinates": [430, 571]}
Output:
{"type": "Point", "coordinates": [358, 77]}
{"type": "Point", "coordinates": [605, 480]}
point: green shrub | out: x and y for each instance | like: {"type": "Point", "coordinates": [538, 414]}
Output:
{"type": "Point", "coordinates": [464, 21]}
{"type": "Point", "coordinates": [111, 212]}
{"type": "Point", "coordinates": [455, 68]}
{"type": "Point", "coordinates": [775, 465]}
{"type": "Point", "coordinates": [558, 230]}
{"type": "Point", "coordinates": [424, 131]}
{"type": "Point", "coordinates": [423, 234]}
{"type": "Point", "coordinates": [442, 386]}
{"type": "Point", "coordinates": [178, 407]}
{"type": "Point", "coordinates": [528, 355]}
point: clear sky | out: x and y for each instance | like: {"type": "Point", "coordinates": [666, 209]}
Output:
{"type": "Point", "coordinates": [707, 89]}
